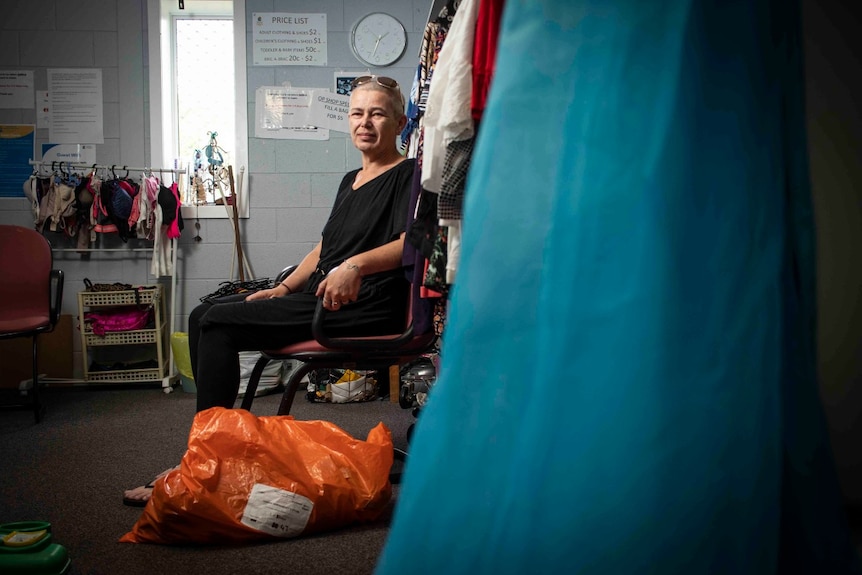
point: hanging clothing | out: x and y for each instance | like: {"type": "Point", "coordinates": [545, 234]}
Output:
{"type": "Point", "coordinates": [448, 116]}
{"type": "Point", "coordinates": [423, 203]}
{"type": "Point", "coordinates": [454, 178]}
{"type": "Point", "coordinates": [628, 380]}
{"type": "Point", "coordinates": [32, 191]}
{"type": "Point", "coordinates": [453, 181]}
{"type": "Point", "coordinates": [485, 52]}
{"type": "Point", "coordinates": [448, 120]}
{"type": "Point", "coordinates": [162, 264]}
{"type": "Point", "coordinates": [172, 215]}
{"type": "Point", "coordinates": [86, 206]}
{"type": "Point", "coordinates": [147, 201]}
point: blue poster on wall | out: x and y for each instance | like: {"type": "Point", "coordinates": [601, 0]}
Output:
{"type": "Point", "coordinates": [16, 150]}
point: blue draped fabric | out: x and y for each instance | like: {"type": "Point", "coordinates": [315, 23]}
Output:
{"type": "Point", "coordinates": [628, 379]}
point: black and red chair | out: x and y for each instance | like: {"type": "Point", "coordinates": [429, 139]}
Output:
{"type": "Point", "coordinates": [357, 353]}
{"type": "Point", "coordinates": [31, 296]}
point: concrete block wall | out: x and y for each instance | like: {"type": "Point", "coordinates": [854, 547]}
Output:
{"type": "Point", "coordinates": [291, 183]}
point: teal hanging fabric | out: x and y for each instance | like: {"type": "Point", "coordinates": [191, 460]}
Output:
{"type": "Point", "coordinates": [628, 376]}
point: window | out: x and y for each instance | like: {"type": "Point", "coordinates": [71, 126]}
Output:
{"type": "Point", "coordinates": [198, 93]}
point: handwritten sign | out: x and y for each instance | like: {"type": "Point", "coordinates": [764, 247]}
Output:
{"type": "Point", "coordinates": [329, 110]}
{"type": "Point", "coordinates": [285, 39]}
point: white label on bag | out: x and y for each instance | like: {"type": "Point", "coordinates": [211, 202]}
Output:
{"type": "Point", "coordinates": [276, 511]}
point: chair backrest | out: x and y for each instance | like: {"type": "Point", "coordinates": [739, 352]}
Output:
{"type": "Point", "coordinates": [25, 270]}
{"type": "Point", "coordinates": [420, 309]}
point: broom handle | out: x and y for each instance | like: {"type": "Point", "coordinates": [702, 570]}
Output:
{"type": "Point", "coordinates": [236, 237]}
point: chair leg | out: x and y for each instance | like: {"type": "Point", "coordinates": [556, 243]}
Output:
{"type": "Point", "coordinates": [291, 387]}
{"type": "Point", "coordinates": [37, 406]}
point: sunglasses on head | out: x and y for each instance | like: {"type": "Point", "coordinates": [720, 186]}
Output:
{"type": "Point", "coordinates": [384, 81]}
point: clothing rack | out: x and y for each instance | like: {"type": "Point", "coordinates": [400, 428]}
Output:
{"type": "Point", "coordinates": [436, 7]}
{"type": "Point", "coordinates": [83, 165]}
{"type": "Point", "coordinates": [166, 384]}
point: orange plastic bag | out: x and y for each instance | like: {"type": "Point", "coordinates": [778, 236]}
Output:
{"type": "Point", "coordinates": [246, 478]}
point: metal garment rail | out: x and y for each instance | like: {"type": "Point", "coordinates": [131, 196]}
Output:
{"type": "Point", "coordinates": [83, 165]}
{"type": "Point", "coordinates": [167, 381]}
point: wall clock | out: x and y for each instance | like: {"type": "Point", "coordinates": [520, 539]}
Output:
{"type": "Point", "coordinates": [378, 39]}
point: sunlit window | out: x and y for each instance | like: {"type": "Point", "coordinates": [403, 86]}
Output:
{"type": "Point", "coordinates": [197, 105]}
{"type": "Point", "coordinates": [204, 88]}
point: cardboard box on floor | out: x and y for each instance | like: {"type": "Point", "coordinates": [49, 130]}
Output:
{"type": "Point", "coordinates": [55, 355]}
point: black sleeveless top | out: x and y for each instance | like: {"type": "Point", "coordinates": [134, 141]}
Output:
{"type": "Point", "coordinates": [368, 217]}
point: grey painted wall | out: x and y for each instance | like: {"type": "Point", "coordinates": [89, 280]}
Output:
{"type": "Point", "coordinates": [292, 183]}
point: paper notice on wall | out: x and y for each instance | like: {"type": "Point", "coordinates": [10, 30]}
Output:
{"type": "Point", "coordinates": [285, 113]}
{"type": "Point", "coordinates": [72, 153]}
{"type": "Point", "coordinates": [16, 89]}
{"type": "Point", "coordinates": [75, 101]}
{"type": "Point", "coordinates": [285, 39]}
{"type": "Point", "coordinates": [329, 110]}
{"type": "Point", "coordinates": [43, 109]}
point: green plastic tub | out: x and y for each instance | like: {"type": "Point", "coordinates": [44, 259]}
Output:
{"type": "Point", "coordinates": [26, 548]}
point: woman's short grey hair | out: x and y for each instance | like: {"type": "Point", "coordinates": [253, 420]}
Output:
{"type": "Point", "coordinates": [395, 95]}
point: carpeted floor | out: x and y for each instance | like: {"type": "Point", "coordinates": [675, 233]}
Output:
{"type": "Point", "coordinates": [72, 468]}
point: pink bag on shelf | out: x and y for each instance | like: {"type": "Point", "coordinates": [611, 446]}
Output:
{"type": "Point", "coordinates": [124, 318]}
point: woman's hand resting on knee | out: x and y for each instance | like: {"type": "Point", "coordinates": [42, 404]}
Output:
{"type": "Point", "coordinates": [340, 287]}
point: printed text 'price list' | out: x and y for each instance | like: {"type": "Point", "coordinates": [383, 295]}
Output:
{"type": "Point", "coordinates": [284, 39]}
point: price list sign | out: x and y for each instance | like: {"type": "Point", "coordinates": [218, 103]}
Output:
{"type": "Point", "coordinates": [284, 39]}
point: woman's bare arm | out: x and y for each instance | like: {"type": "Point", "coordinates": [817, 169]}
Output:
{"type": "Point", "coordinates": [294, 281]}
{"type": "Point", "coordinates": [341, 285]}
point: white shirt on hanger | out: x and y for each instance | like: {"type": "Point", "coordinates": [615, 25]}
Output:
{"type": "Point", "coordinates": [448, 114]}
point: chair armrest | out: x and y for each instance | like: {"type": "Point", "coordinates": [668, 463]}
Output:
{"type": "Point", "coordinates": [284, 273]}
{"type": "Point", "coordinates": [384, 342]}
{"type": "Point", "coordinates": [56, 303]}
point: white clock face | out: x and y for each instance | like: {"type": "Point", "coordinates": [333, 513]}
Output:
{"type": "Point", "coordinates": [378, 39]}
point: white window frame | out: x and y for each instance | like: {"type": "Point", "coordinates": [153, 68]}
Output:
{"type": "Point", "coordinates": [160, 38]}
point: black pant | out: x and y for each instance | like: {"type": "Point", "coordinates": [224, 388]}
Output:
{"type": "Point", "coordinates": [219, 331]}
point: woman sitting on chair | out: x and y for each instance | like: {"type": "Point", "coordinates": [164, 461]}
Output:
{"type": "Point", "coordinates": [355, 268]}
